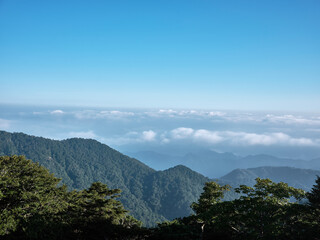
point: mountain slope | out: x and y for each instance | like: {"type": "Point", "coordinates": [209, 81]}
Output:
{"type": "Point", "coordinates": [213, 164]}
{"type": "Point", "coordinates": [206, 162]}
{"type": "Point", "coordinates": [179, 186]}
{"type": "Point", "coordinates": [295, 177]}
{"type": "Point", "coordinates": [151, 196]}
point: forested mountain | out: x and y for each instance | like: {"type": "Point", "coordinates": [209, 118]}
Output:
{"type": "Point", "coordinates": [33, 205]}
{"type": "Point", "coordinates": [213, 164]}
{"type": "Point", "coordinates": [295, 177]}
{"type": "Point", "coordinates": [150, 196]}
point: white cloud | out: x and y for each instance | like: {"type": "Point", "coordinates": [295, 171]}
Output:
{"type": "Point", "coordinates": [182, 132]}
{"type": "Point", "coordinates": [167, 111]}
{"type": "Point", "coordinates": [216, 114]}
{"type": "Point", "coordinates": [132, 138]}
{"type": "Point", "coordinates": [188, 112]}
{"type": "Point", "coordinates": [148, 135]}
{"type": "Point", "coordinates": [185, 113]}
{"type": "Point", "coordinates": [91, 114]}
{"type": "Point", "coordinates": [239, 138]}
{"type": "Point", "coordinates": [291, 119]}
{"type": "Point", "coordinates": [207, 136]}
{"type": "Point", "coordinates": [204, 136]}
{"type": "Point", "coordinates": [258, 139]}
{"type": "Point", "coordinates": [116, 113]}
{"type": "Point", "coordinates": [57, 112]}
{"type": "Point", "coordinates": [267, 139]}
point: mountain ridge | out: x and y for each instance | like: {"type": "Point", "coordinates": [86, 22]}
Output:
{"type": "Point", "coordinates": [214, 165]}
{"type": "Point", "coordinates": [295, 177]}
{"type": "Point", "coordinates": [79, 162]}
{"type": "Point", "coordinates": [151, 196]}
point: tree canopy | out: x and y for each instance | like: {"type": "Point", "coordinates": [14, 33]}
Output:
{"type": "Point", "coordinates": [267, 210]}
{"type": "Point", "coordinates": [34, 206]}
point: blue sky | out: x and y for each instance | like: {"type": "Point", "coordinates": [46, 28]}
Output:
{"type": "Point", "coordinates": [237, 55]}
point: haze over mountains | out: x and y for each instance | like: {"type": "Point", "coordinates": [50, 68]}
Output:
{"type": "Point", "coordinates": [150, 195]}
{"type": "Point", "coordinates": [214, 165]}
{"type": "Point", "coordinates": [295, 177]}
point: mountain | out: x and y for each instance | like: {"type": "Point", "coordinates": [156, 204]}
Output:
{"type": "Point", "coordinates": [213, 164]}
{"type": "Point", "coordinates": [206, 162]}
{"type": "Point", "coordinates": [295, 177]}
{"type": "Point", "coordinates": [151, 196]}
{"type": "Point", "coordinates": [170, 191]}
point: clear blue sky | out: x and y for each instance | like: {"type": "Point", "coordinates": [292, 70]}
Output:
{"type": "Point", "coordinates": [242, 55]}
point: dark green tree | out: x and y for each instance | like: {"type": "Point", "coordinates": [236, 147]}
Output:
{"type": "Point", "coordinates": [30, 199]}
{"type": "Point", "coordinates": [314, 195]}
{"type": "Point", "coordinates": [208, 207]}
{"type": "Point", "coordinates": [95, 213]}
{"type": "Point", "coordinates": [313, 216]}
{"type": "Point", "coordinates": [186, 228]}
{"type": "Point", "coordinates": [265, 210]}
{"type": "Point", "coordinates": [34, 206]}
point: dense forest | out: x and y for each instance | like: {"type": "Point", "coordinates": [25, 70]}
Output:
{"type": "Point", "coordinates": [34, 205]}
{"type": "Point", "coordinates": [146, 193]}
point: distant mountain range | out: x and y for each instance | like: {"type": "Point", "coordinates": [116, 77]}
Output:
{"type": "Point", "coordinates": [295, 177]}
{"type": "Point", "coordinates": [151, 196]}
{"type": "Point", "coordinates": [214, 165]}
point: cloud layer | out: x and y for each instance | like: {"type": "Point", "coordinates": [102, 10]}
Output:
{"type": "Point", "coordinates": [239, 138]}
{"type": "Point", "coordinates": [144, 129]}
{"type": "Point", "coordinates": [211, 138]}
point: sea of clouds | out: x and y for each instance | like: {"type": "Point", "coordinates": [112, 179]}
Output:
{"type": "Point", "coordinates": [295, 135]}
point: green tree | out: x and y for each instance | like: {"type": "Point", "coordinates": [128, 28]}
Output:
{"type": "Point", "coordinates": [186, 228]}
{"type": "Point", "coordinates": [265, 210]}
{"type": "Point", "coordinates": [209, 205]}
{"type": "Point", "coordinates": [34, 206]}
{"type": "Point", "coordinates": [30, 199]}
{"type": "Point", "coordinates": [313, 216]}
{"type": "Point", "coordinates": [314, 195]}
{"type": "Point", "coordinates": [95, 213]}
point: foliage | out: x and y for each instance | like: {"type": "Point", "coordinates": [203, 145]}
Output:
{"type": "Point", "coordinates": [212, 194]}
{"type": "Point", "coordinates": [185, 229]}
{"type": "Point", "coordinates": [34, 206]}
{"type": "Point", "coordinates": [314, 195]}
{"type": "Point", "coordinates": [29, 197]}
{"type": "Point", "coordinates": [207, 208]}
{"type": "Point", "coordinates": [146, 193]}
{"type": "Point", "coordinates": [264, 211]}
{"type": "Point", "coordinates": [261, 211]}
